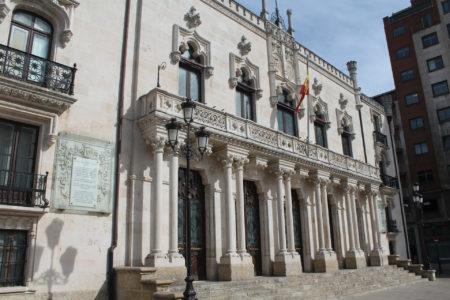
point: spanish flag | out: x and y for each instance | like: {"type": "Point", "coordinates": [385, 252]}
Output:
{"type": "Point", "coordinates": [304, 91]}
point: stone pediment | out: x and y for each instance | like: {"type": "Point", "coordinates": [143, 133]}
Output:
{"type": "Point", "coordinates": [18, 92]}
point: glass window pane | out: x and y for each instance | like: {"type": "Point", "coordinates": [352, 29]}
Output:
{"type": "Point", "coordinates": [19, 38]}
{"type": "Point", "coordinates": [248, 106]}
{"type": "Point", "coordinates": [289, 119]}
{"type": "Point", "coordinates": [40, 46]}
{"type": "Point", "coordinates": [182, 74]}
{"type": "Point", "coordinates": [42, 25]}
{"type": "Point", "coordinates": [280, 121]}
{"type": "Point", "coordinates": [238, 104]}
{"type": "Point", "coordinates": [195, 86]}
{"type": "Point", "coordinates": [6, 144]}
{"type": "Point", "coordinates": [23, 18]}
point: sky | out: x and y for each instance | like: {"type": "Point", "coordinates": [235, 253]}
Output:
{"type": "Point", "coordinates": [344, 30]}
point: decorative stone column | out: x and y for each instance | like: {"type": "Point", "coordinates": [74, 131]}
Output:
{"type": "Point", "coordinates": [376, 256]}
{"type": "Point", "coordinates": [287, 263]}
{"type": "Point", "coordinates": [325, 259]}
{"type": "Point", "coordinates": [355, 258]}
{"type": "Point", "coordinates": [231, 266]}
{"type": "Point", "coordinates": [175, 256]}
{"type": "Point", "coordinates": [156, 256]}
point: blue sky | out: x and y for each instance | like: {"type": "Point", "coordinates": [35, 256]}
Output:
{"type": "Point", "coordinates": [343, 30]}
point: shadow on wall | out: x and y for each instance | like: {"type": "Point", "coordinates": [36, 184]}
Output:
{"type": "Point", "coordinates": [67, 259]}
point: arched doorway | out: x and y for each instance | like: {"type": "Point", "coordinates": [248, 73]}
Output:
{"type": "Point", "coordinates": [198, 228]}
{"type": "Point", "coordinates": [253, 225]}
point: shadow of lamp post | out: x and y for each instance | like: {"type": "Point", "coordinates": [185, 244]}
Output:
{"type": "Point", "coordinates": [188, 151]}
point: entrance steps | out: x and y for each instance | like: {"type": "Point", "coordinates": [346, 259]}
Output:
{"type": "Point", "coordinates": [307, 286]}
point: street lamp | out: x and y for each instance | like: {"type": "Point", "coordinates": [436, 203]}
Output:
{"type": "Point", "coordinates": [418, 203]}
{"type": "Point", "coordinates": [173, 127]}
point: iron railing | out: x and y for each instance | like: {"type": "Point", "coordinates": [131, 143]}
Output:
{"type": "Point", "coordinates": [380, 138]}
{"type": "Point", "coordinates": [23, 189]}
{"type": "Point", "coordinates": [37, 71]}
{"type": "Point", "coordinates": [390, 181]}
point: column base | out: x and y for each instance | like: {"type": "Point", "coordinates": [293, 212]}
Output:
{"type": "Point", "coordinates": [377, 259]}
{"type": "Point", "coordinates": [176, 259]}
{"type": "Point", "coordinates": [355, 259]}
{"type": "Point", "coordinates": [325, 262]}
{"type": "Point", "coordinates": [157, 259]}
{"type": "Point", "coordinates": [287, 264]}
{"type": "Point", "coordinates": [235, 266]}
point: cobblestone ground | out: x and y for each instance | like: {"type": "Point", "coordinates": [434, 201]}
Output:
{"type": "Point", "coordinates": [437, 290]}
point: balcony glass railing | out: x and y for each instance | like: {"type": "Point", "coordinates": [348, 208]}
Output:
{"type": "Point", "coordinates": [37, 71]}
{"type": "Point", "coordinates": [23, 189]}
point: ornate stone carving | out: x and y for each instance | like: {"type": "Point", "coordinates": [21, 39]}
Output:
{"type": "Point", "coordinates": [344, 121]}
{"type": "Point", "coordinates": [317, 87]}
{"type": "Point", "coordinates": [277, 57]}
{"type": "Point", "coordinates": [66, 36]}
{"type": "Point", "coordinates": [243, 66]}
{"type": "Point", "coordinates": [4, 10]}
{"type": "Point", "coordinates": [343, 101]}
{"type": "Point", "coordinates": [244, 46]}
{"type": "Point", "coordinates": [320, 107]}
{"type": "Point", "coordinates": [71, 147]}
{"type": "Point", "coordinates": [192, 18]}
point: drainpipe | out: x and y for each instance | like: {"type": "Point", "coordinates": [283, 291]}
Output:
{"type": "Point", "coordinates": [352, 67]}
{"type": "Point", "coordinates": [111, 276]}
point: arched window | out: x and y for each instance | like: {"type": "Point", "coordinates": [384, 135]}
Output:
{"type": "Point", "coordinates": [31, 34]}
{"type": "Point", "coordinates": [346, 137]}
{"type": "Point", "coordinates": [190, 77]}
{"type": "Point", "coordinates": [286, 114]}
{"type": "Point", "coordinates": [245, 96]}
{"type": "Point", "coordinates": [320, 128]}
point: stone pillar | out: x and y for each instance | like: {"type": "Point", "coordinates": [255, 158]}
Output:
{"type": "Point", "coordinates": [264, 14]}
{"type": "Point", "coordinates": [289, 215]}
{"type": "Point", "coordinates": [174, 255]}
{"type": "Point", "coordinates": [231, 265]}
{"type": "Point", "coordinates": [280, 213]}
{"type": "Point", "coordinates": [325, 259]}
{"type": "Point", "coordinates": [355, 258]}
{"type": "Point", "coordinates": [156, 256]}
{"type": "Point", "coordinates": [240, 206]}
{"type": "Point", "coordinates": [376, 256]}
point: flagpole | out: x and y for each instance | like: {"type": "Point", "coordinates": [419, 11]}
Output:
{"type": "Point", "coordinates": [307, 99]}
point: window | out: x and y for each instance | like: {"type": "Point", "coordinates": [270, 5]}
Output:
{"type": "Point", "coordinates": [430, 40]}
{"type": "Point", "coordinates": [190, 76]}
{"type": "Point", "coordinates": [446, 6]}
{"type": "Point", "coordinates": [407, 75]}
{"type": "Point", "coordinates": [424, 177]}
{"type": "Point", "coordinates": [446, 142]}
{"type": "Point", "coordinates": [416, 123]}
{"type": "Point", "coordinates": [245, 97]}
{"type": "Point", "coordinates": [440, 88]}
{"type": "Point", "coordinates": [399, 31]}
{"type": "Point", "coordinates": [17, 161]}
{"type": "Point", "coordinates": [346, 138]}
{"type": "Point", "coordinates": [421, 148]}
{"type": "Point", "coordinates": [320, 129]}
{"type": "Point", "coordinates": [427, 20]}
{"type": "Point", "coordinates": [376, 123]}
{"type": "Point", "coordinates": [435, 64]}
{"type": "Point", "coordinates": [444, 115]}
{"type": "Point", "coordinates": [286, 114]}
{"type": "Point", "coordinates": [402, 53]}
{"type": "Point", "coordinates": [13, 249]}
{"type": "Point", "coordinates": [412, 99]}
{"type": "Point", "coordinates": [448, 29]}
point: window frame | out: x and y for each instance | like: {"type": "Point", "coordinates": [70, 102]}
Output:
{"type": "Point", "coordinates": [430, 35]}
{"type": "Point", "coordinates": [396, 34]}
{"type": "Point", "coordinates": [415, 119]}
{"type": "Point", "coordinates": [287, 109]}
{"type": "Point", "coordinates": [426, 20]}
{"type": "Point", "coordinates": [408, 53]}
{"type": "Point", "coordinates": [421, 148]}
{"type": "Point", "coordinates": [444, 138]}
{"type": "Point", "coordinates": [322, 124]}
{"type": "Point", "coordinates": [444, 109]}
{"type": "Point", "coordinates": [191, 66]}
{"type": "Point", "coordinates": [412, 71]}
{"type": "Point", "coordinates": [245, 89]}
{"type": "Point", "coordinates": [437, 83]}
{"type": "Point", "coordinates": [433, 59]}
{"type": "Point", "coordinates": [409, 104]}
{"type": "Point", "coordinates": [427, 174]}
{"type": "Point", "coordinates": [32, 31]}
{"type": "Point", "coordinates": [346, 136]}
{"type": "Point", "coordinates": [445, 6]}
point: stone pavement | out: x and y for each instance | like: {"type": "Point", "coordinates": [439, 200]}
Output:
{"type": "Point", "coordinates": [437, 290]}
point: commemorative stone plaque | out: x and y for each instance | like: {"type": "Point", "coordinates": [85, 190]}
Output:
{"type": "Point", "coordinates": [82, 178]}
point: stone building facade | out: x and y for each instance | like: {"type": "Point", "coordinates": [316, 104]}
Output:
{"type": "Point", "coordinates": [278, 193]}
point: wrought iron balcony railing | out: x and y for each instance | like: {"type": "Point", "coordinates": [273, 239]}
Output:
{"type": "Point", "coordinates": [37, 71]}
{"type": "Point", "coordinates": [392, 226]}
{"type": "Point", "coordinates": [380, 138]}
{"type": "Point", "coordinates": [390, 181]}
{"type": "Point", "coordinates": [23, 189]}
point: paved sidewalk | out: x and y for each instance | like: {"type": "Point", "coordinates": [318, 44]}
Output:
{"type": "Point", "coordinates": [437, 290]}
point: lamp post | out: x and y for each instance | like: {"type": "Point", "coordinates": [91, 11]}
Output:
{"type": "Point", "coordinates": [173, 127]}
{"type": "Point", "coordinates": [418, 203]}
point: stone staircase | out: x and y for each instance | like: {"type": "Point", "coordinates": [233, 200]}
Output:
{"type": "Point", "coordinates": [307, 286]}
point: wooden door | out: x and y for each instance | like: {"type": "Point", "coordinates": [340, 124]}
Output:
{"type": "Point", "coordinates": [252, 225]}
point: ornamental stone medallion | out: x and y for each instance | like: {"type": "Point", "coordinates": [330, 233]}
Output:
{"type": "Point", "coordinates": [82, 177]}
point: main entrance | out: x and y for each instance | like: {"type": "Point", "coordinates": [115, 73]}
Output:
{"type": "Point", "coordinates": [296, 213]}
{"type": "Point", "coordinates": [252, 225]}
{"type": "Point", "coordinates": [197, 204]}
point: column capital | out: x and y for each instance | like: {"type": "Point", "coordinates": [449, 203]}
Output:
{"type": "Point", "coordinates": [240, 162]}
{"type": "Point", "coordinates": [282, 168]}
{"type": "Point", "coordinates": [227, 161]}
{"type": "Point", "coordinates": [158, 144]}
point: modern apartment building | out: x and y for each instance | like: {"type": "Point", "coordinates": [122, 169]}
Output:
{"type": "Point", "coordinates": [418, 39]}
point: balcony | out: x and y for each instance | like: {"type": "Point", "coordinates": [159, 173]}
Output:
{"type": "Point", "coordinates": [380, 138]}
{"type": "Point", "coordinates": [35, 82]}
{"type": "Point", "coordinates": [23, 189]}
{"type": "Point", "coordinates": [390, 181]}
{"type": "Point", "coordinates": [158, 106]}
